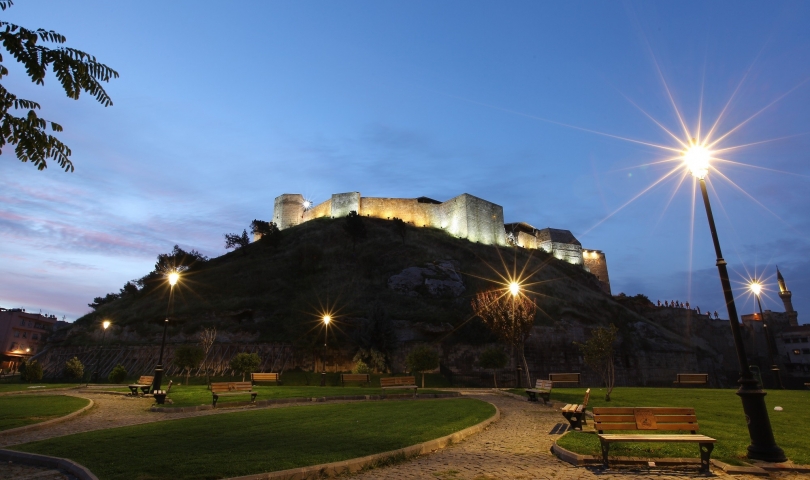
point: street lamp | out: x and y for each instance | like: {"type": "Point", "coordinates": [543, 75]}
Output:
{"type": "Point", "coordinates": [105, 325]}
{"type": "Point", "coordinates": [326, 319]}
{"type": "Point", "coordinates": [514, 289]}
{"type": "Point", "coordinates": [756, 289]}
{"type": "Point", "coordinates": [173, 277]}
{"type": "Point", "coordinates": [763, 445]}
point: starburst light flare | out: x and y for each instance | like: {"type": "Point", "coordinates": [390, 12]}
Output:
{"type": "Point", "coordinates": [697, 159]}
{"type": "Point", "coordinates": [756, 288]}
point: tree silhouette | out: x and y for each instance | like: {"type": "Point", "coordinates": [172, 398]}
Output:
{"type": "Point", "coordinates": [355, 228]}
{"type": "Point", "coordinates": [236, 241]}
{"type": "Point", "coordinates": [266, 231]}
{"type": "Point", "coordinates": [75, 70]}
{"type": "Point", "coordinates": [598, 354]}
{"type": "Point", "coordinates": [400, 228]}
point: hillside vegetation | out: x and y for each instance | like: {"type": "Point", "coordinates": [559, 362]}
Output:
{"type": "Point", "coordinates": [267, 292]}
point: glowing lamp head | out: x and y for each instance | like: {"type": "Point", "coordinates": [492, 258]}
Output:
{"type": "Point", "coordinates": [106, 324]}
{"type": "Point", "coordinates": [326, 319]}
{"type": "Point", "coordinates": [514, 288]}
{"type": "Point", "coordinates": [697, 158]}
{"type": "Point", "coordinates": [307, 204]}
{"type": "Point", "coordinates": [27, 350]}
{"type": "Point", "coordinates": [173, 278]}
{"type": "Point", "coordinates": [755, 288]}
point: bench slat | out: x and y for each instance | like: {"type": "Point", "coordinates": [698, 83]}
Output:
{"type": "Point", "coordinates": [657, 438]}
{"type": "Point", "coordinates": [631, 411]}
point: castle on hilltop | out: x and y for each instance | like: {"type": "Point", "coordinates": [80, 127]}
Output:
{"type": "Point", "coordinates": [464, 216]}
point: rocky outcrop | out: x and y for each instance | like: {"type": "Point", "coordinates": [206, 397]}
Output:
{"type": "Point", "coordinates": [438, 279]}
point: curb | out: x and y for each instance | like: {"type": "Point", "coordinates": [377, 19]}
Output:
{"type": "Point", "coordinates": [357, 464]}
{"type": "Point", "coordinates": [50, 422]}
{"type": "Point", "coordinates": [38, 391]}
{"type": "Point", "coordinates": [578, 460]}
{"type": "Point", "coordinates": [69, 466]}
{"type": "Point", "coordinates": [277, 401]}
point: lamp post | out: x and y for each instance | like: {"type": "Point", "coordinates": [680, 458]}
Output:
{"type": "Point", "coordinates": [173, 277]}
{"type": "Point", "coordinates": [763, 446]}
{"type": "Point", "coordinates": [326, 320]}
{"type": "Point", "coordinates": [105, 325]}
{"type": "Point", "coordinates": [756, 289]}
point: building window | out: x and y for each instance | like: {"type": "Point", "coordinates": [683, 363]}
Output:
{"type": "Point", "coordinates": [16, 334]}
{"type": "Point", "coordinates": [13, 346]}
{"type": "Point", "coordinates": [804, 339]}
{"type": "Point", "coordinates": [22, 323]}
{"type": "Point", "coordinates": [806, 351]}
{"type": "Point", "coordinates": [35, 337]}
{"type": "Point", "coordinates": [25, 335]}
{"type": "Point", "coordinates": [786, 340]}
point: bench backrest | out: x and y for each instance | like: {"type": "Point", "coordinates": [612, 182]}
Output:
{"type": "Point", "coordinates": [355, 377]}
{"type": "Point", "coordinates": [264, 377]}
{"type": "Point", "coordinates": [654, 418]}
{"type": "Point", "coordinates": [564, 377]}
{"type": "Point", "coordinates": [586, 398]}
{"type": "Point", "coordinates": [692, 377]}
{"type": "Point", "coordinates": [543, 384]}
{"type": "Point", "coordinates": [146, 380]}
{"type": "Point", "coordinates": [397, 381]}
{"type": "Point", "coordinates": [219, 387]}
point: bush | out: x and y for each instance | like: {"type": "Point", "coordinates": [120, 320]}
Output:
{"type": "Point", "coordinates": [493, 359]}
{"type": "Point", "coordinates": [422, 359]}
{"type": "Point", "coordinates": [245, 363]}
{"type": "Point", "coordinates": [30, 371]}
{"type": "Point", "coordinates": [188, 357]}
{"type": "Point", "coordinates": [361, 367]}
{"type": "Point", "coordinates": [74, 368]}
{"type": "Point", "coordinates": [118, 374]}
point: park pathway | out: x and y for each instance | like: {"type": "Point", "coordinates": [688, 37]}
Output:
{"type": "Point", "coordinates": [516, 447]}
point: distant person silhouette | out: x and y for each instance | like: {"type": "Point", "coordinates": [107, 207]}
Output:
{"type": "Point", "coordinates": [716, 315]}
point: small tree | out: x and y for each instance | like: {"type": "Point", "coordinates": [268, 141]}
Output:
{"type": "Point", "coordinates": [422, 359]}
{"type": "Point", "coordinates": [117, 374]}
{"type": "Point", "coordinates": [236, 241]}
{"type": "Point", "coordinates": [266, 231]}
{"type": "Point", "coordinates": [360, 367]}
{"type": "Point", "coordinates": [207, 338]}
{"type": "Point", "coordinates": [355, 228]}
{"type": "Point", "coordinates": [598, 355]}
{"type": "Point", "coordinates": [509, 317]}
{"type": "Point", "coordinates": [188, 357]}
{"type": "Point", "coordinates": [74, 368]}
{"type": "Point", "coordinates": [30, 371]}
{"type": "Point", "coordinates": [400, 228]}
{"type": "Point", "coordinates": [493, 359]}
{"type": "Point", "coordinates": [245, 363]}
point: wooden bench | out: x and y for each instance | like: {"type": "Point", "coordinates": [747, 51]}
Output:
{"type": "Point", "coordinates": [691, 379]}
{"type": "Point", "coordinates": [542, 389]}
{"type": "Point", "coordinates": [564, 377]}
{"type": "Point", "coordinates": [222, 389]}
{"type": "Point", "coordinates": [387, 383]}
{"type": "Point", "coordinates": [265, 377]}
{"type": "Point", "coordinates": [144, 383]}
{"type": "Point", "coordinates": [575, 414]}
{"type": "Point", "coordinates": [355, 377]}
{"type": "Point", "coordinates": [650, 419]}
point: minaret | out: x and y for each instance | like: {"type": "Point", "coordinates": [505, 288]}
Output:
{"type": "Point", "coordinates": [785, 295]}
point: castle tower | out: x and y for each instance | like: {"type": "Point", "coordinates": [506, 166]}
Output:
{"type": "Point", "coordinates": [785, 295]}
{"type": "Point", "coordinates": [288, 210]}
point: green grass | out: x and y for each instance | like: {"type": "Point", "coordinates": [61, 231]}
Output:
{"type": "Point", "coordinates": [16, 387]}
{"type": "Point", "coordinates": [719, 414]}
{"type": "Point", "coordinates": [263, 440]}
{"type": "Point", "coordinates": [193, 395]}
{"type": "Point", "coordinates": [20, 410]}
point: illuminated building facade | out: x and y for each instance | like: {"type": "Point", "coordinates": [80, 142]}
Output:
{"type": "Point", "coordinates": [464, 216]}
{"type": "Point", "coordinates": [22, 335]}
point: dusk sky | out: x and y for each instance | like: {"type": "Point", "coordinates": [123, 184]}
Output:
{"type": "Point", "coordinates": [221, 107]}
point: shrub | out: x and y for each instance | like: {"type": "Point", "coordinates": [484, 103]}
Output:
{"type": "Point", "coordinates": [30, 371]}
{"type": "Point", "coordinates": [493, 359]}
{"type": "Point", "coordinates": [245, 363]}
{"type": "Point", "coordinates": [188, 357]}
{"type": "Point", "coordinates": [422, 359]}
{"type": "Point", "coordinates": [118, 374]}
{"type": "Point", "coordinates": [74, 368]}
{"type": "Point", "coordinates": [361, 367]}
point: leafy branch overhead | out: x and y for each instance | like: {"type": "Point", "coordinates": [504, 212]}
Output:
{"type": "Point", "coordinates": [76, 71]}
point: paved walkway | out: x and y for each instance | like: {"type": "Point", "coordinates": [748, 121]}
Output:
{"type": "Point", "coordinates": [516, 447]}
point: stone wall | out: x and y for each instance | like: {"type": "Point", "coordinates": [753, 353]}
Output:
{"type": "Point", "coordinates": [408, 210]}
{"type": "Point", "coordinates": [596, 263]}
{"type": "Point", "coordinates": [484, 221]}
{"type": "Point", "coordinates": [288, 210]}
{"type": "Point", "coordinates": [344, 203]}
{"type": "Point", "coordinates": [324, 209]}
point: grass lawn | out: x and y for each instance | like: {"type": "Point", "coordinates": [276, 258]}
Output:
{"type": "Point", "coordinates": [265, 440]}
{"type": "Point", "coordinates": [33, 387]}
{"type": "Point", "coordinates": [20, 410]}
{"type": "Point", "coordinates": [719, 414]}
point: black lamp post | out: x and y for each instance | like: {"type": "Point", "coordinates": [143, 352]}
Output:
{"type": "Point", "coordinates": [326, 320]}
{"type": "Point", "coordinates": [763, 446]}
{"type": "Point", "coordinates": [173, 277]}
{"type": "Point", "coordinates": [756, 288]}
{"type": "Point", "coordinates": [105, 324]}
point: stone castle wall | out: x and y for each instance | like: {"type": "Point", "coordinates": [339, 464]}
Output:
{"type": "Point", "coordinates": [288, 210]}
{"type": "Point", "coordinates": [596, 263]}
{"type": "Point", "coordinates": [408, 210]}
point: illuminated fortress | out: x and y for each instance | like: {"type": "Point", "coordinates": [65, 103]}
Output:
{"type": "Point", "coordinates": [464, 216]}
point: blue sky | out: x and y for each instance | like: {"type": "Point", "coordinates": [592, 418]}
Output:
{"type": "Point", "coordinates": [219, 109]}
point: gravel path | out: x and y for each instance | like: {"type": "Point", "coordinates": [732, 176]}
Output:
{"type": "Point", "coordinates": [516, 447]}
